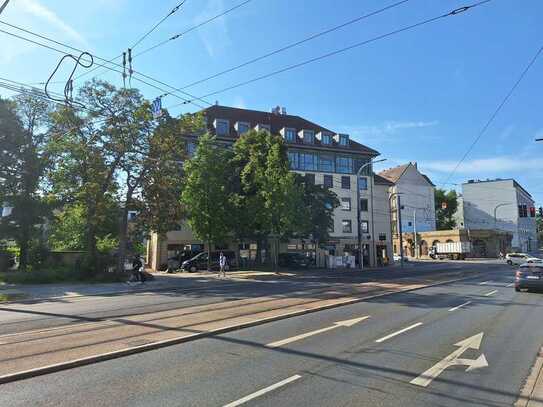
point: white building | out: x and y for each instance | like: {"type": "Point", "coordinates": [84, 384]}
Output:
{"type": "Point", "coordinates": [416, 193]}
{"type": "Point", "coordinates": [501, 204]}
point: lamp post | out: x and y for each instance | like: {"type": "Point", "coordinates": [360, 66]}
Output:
{"type": "Point", "coordinates": [360, 254]}
{"type": "Point", "coordinates": [399, 221]}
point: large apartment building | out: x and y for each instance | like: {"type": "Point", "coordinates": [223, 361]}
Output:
{"type": "Point", "coordinates": [500, 204]}
{"type": "Point", "coordinates": [323, 157]}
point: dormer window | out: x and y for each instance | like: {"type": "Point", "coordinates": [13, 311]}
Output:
{"type": "Point", "coordinates": [288, 134]}
{"type": "Point", "coordinates": [343, 140]}
{"type": "Point", "coordinates": [308, 136]}
{"type": "Point", "coordinates": [325, 138]}
{"type": "Point", "coordinates": [222, 127]}
{"type": "Point", "coordinates": [261, 126]}
{"type": "Point", "coordinates": [242, 127]}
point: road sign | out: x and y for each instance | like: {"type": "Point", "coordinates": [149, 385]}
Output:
{"type": "Point", "coordinates": [473, 342]}
{"type": "Point", "coordinates": [157, 108]}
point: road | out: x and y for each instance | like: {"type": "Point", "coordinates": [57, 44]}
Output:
{"type": "Point", "coordinates": [367, 353]}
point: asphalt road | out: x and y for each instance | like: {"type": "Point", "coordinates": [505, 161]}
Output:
{"type": "Point", "coordinates": [371, 362]}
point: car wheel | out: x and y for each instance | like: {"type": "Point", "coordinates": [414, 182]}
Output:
{"type": "Point", "coordinates": [517, 289]}
{"type": "Point", "coordinates": [193, 269]}
{"type": "Point", "coordinates": [509, 262]}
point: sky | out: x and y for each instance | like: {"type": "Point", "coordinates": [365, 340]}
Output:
{"type": "Point", "coordinates": [421, 95]}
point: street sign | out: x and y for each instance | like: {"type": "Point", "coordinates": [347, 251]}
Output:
{"type": "Point", "coordinates": [473, 342]}
{"type": "Point", "coordinates": [157, 108]}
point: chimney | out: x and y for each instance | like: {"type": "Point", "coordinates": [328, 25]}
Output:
{"type": "Point", "coordinates": [284, 111]}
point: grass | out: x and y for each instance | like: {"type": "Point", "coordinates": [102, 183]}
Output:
{"type": "Point", "coordinates": [12, 297]}
{"type": "Point", "coordinates": [58, 275]}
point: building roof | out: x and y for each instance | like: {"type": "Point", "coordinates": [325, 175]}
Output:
{"type": "Point", "coordinates": [515, 183]}
{"type": "Point", "coordinates": [381, 180]}
{"type": "Point", "coordinates": [277, 121]}
{"type": "Point", "coordinates": [395, 173]}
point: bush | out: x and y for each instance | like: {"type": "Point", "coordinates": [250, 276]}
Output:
{"type": "Point", "coordinates": [58, 275]}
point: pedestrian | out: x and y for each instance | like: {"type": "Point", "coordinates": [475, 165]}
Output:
{"type": "Point", "coordinates": [137, 267]}
{"type": "Point", "coordinates": [222, 265]}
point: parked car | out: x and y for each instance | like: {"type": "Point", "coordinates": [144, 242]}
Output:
{"type": "Point", "coordinates": [175, 262]}
{"type": "Point", "coordinates": [536, 260]}
{"type": "Point", "coordinates": [199, 262]}
{"type": "Point", "coordinates": [295, 260]}
{"type": "Point", "coordinates": [516, 259]}
{"type": "Point", "coordinates": [398, 258]}
{"type": "Point", "coordinates": [529, 276]}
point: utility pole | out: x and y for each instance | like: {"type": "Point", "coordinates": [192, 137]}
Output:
{"type": "Point", "coordinates": [3, 6]}
{"type": "Point", "coordinates": [400, 229]}
{"type": "Point", "coordinates": [415, 232]}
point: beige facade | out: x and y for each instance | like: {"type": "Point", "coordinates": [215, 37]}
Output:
{"type": "Point", "coordinates": [484, 242]}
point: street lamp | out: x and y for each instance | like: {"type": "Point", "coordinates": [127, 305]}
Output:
{"type": "Point", "coordinates": [358, 208]}
{"type": "Point", "coordinates": [398, 220]}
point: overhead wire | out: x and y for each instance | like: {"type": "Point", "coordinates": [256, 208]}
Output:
{"type": "Point", "coordinates": [495, 113]}
{"type": "Point", "coordinates": [344, 49]}
{"type": "Point", "coordinates": [185, 100]}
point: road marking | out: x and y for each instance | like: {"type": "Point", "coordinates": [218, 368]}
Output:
{"type": "Point", "coordinates": [484, 282]}
{"type": "Point", "coordinates": [338, 324]}
{"type": "Point", "coordinates": [263, 391]}
{"type": "Point", "coordinates": [459, 306]}
{"type": "Point", "coordinates": [491, 293]}
{"type": "Point", "coordinates": [401, 331]}
{"type": "Point", "coordinates": [510, 285]}
{"type": "Point", "coordinates": [473, 342]}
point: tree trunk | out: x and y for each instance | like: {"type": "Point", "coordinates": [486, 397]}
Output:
{"type": "Point", "coordinates": [23, 250]}
{"type": "Point", "coordinates": [123, 233]}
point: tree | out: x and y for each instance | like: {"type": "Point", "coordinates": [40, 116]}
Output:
{"type": "Point", "coordinates": [23, 161]}
{"type": "Point", "coordinates": [446, 204]}
{"type": "Point", "coordinates": [539, 227]}
{"type": "Point", "coordinates": [267, 199]}
{"type": "Point", "coordinates": [206, 194]}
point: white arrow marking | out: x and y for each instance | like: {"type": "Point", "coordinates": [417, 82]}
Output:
{"type": "Point", "coordinates": [347, 323]}
{"type": "Point", "coordinates": [491, 293]}
{"type": "Point", "coordinates": [460, 306]}
{"type": "Point", "coordinates": [473, 342]}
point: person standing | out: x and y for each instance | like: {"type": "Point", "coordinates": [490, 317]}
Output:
{"type": "Point", "coordinates": [222, 265]}
{"type": "Point", "coordinates": [137, 266]}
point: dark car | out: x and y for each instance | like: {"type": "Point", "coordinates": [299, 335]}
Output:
{"type": "Point", "coordinates": [295, 260]}
{"type": "Point", "coordinates": [175, 262]}
{"type": "Point", "coordinates": [529, 276]}
{"type": "Point", "coordinates": [199, 262]}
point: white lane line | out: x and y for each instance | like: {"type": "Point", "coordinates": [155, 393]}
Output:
{"type": "Point", "coordinates": [490, 293]}
{"type": "Point", "coordinates": [401, 331]}
{"type": "Point", "coordinates": [459, 306]}
{"type": "Point", "coordinates": [484, 282]}
{"type": "Point", "coordinates": [510, 285]}
{"type": "Point", "coordinates": [338, 324]}
{"type": "Point", "coordinates": [263, 391]}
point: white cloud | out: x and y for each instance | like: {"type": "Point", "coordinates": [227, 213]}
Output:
{"type": "Point", "coordinates": [215, 36]}
{"type": "Point", "coordinates": [38, 10]}
{"type": "Point", "coordinates": [382, 132]}
{"type": "Point", "coordinates": [503, 164]}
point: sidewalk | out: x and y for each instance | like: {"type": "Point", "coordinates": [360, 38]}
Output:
{"type": "Point", "coordinates": [532, 393]}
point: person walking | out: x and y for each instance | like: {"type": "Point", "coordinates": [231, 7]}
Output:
{"type": "Point", "coordinates": [137, 267]}
{"type": "Point", "coordinates": [222, 265]}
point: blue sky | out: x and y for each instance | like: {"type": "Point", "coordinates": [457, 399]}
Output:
{"type": "Point", "coordinates": [421, 95]}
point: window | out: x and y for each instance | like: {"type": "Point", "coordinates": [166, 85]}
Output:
{"type": "Point", "coordinates": [522, 211]}
{"type": "Point", "coordinates": [331, 227]}
{"type": "Point", "coordinates": [346, 226]}
{"type": "Point", "coordinates": [293, 160]}
{"type": "Point", "coordinates": [242, 127]}
{"type": "Point", "coordinates": [191, 148]}
{"type": "Point", "coordinates": [222, 127]}
{"type": "Point", "coordinates": [308, 161]}
{"type": "Point", "coordinates": [261, 126]}
{"type": "Point", "coordinates": [344, 165]}
{"type": "Point", "coordinates": [409, 223]}
{"type": "Point", "coordinates": [364, 226]}
{"type": "Point", "coordinates": [346, 204]}
{"type": "Point", "coordinates": [310, 179]}
{"type": "Point", "coordinates": [344, 140]}
{"type": "Point", "coordinates": [363, 183]}
{"type": "Point", "coordinates": [326, 163]}
{"type": "Point", "coordinates": [328, 181]}
{"type": "Point", "coordinates": [308, 136]}
{"type": "Point", "coordinates": [290, 135]}
{"type": "Point", "coordinates": [363, 205]}
{"type": "Point", "coordinates": [326, 138]}
{"type": "Point", "coordinates": [346, 182]}
{"type": "Point", "coordinates": [382, 237]}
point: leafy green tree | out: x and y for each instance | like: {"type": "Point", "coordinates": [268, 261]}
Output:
{"type": "Point", "coordinates": [446, 204]}
{"type": "Point", "coordinates": [23, 161]}
{"type": "Point", "coordinates": [206, 193]}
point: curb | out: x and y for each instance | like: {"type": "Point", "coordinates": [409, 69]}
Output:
{"type": "Point", "coordinates": [533, 381]}
{"type": "Point", "coordinates": [26, 374]}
